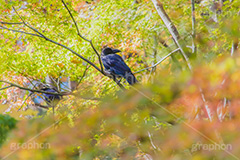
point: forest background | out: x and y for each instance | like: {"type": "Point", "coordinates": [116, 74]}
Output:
{"type": "Point", "coordinates": [184, 53]}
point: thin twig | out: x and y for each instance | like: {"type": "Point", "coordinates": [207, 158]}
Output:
{"type": "Point", "coordinates": [26, 76]}
{"type": "Point", "coordinates": [34, 85]}
{"type": "Point", "coordinates": [41, 91]}
{"type": "Point", "coordinates": [9, 23]}
{"type": "Point", "coordinates": [34, 90]}
{"type": "Point", "coordinates": [119, 80]}
{"type": "Point", "coordinates": [13, 30]}
{"type": "Point", "coordinates": [6, 87]}
{"type": "Point", "coordinates": [24, 101]}
{"type": "Point", "coordinates": [99, 57]}
{"type": "Point", "coordinates": [75, 23]}
{"type": "Point", "coordinates": [42, 106]}
{"type": "Point", "coordinates": [84, 73]}
{"type": "Point", "coordinates": [47, 39]}
{"type": "Point", "coordinates": [158, 61]}
{"type": "Point", "coordinates": [173, 31]}
{"type": "Point", "coordinates": [78, 32]}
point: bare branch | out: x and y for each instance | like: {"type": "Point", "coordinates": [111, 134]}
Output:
{"type": "Point", "coordinates": [33, 90]}
{"type": "Point", "coordinates": [11, 23]}
{"type": "Point", "coordinates": [172, 29]}
{"type": "Point", "coordinates": [158, 61]}
{"type": "Point", "coordinates": [78, 32]}
{"type": "Point", "coordinates": [13, 30]}
{"type": "Point", "coordinates": [41, 106]}
{"type": "Point", "coordinates": [99, 57]}
{"type": "Point", "coordinates": [47, 39]}
{"type": "Point", "coordinates": [5, 87]}
{"type": "Point", "coordinates": [24, 101]}
{"type": "Point", "coordinates": [45, 92]}
{"type": "Point", "coordinates": [84, 73]}
{"type": "Point", "coordinates": [75, 23]}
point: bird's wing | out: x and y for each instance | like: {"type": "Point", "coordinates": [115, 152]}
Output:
{"type": "Point", "coordinates": [117, 65]}
{"type": "Point", "coordinates": [105, 61]}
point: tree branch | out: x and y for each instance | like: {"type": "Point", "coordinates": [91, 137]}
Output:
{"type": "Point", "coordinates": [41, 106]}
{"type": "Point", "coordinates": [5, 87]}
{"type": "Point", "coordinates": [47, 39]}
{"type": "Point", "coordinates": [158, 61]}
{"type": "Point", "coordinates": [13, 30]}
{"type": "Point", "coordinates": [173, 31]}
{"type": "Point", "coordinates": [171, 28]}
{"type": "Point", "coordinates": [9, 23]}
{"type": "Point", "coordinates": [24, 101]}
{"type": "Point", "coordinates": [194, 48]}
{"type": "Point", "coordinates": [41, 91]}
{"type": "Point", "coordinates": [84, 73]}
{"type": "Point", "coordinates": [78, 32]}
{"type": "Point", "coordinates": [33, 90]}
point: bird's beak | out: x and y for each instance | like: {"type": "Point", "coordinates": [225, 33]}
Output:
{"type": "Point", "coordinates": [116, 50]}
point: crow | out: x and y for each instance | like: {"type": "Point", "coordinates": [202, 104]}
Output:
{"type": "Point", "coordinates": [50, 97]}
{"type": "Point", "coordinates": [114, 64]}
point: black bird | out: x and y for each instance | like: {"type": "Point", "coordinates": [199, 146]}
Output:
{"type": "Point", "coordinates": [114, 64]}
{"type": "Point", "coordinates": [50, 97]}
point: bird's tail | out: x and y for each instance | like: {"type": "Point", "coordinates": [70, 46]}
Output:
{"type": "Point", "coordinates": [131, 79]}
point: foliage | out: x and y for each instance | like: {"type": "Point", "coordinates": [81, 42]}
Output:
{"type": "Point", "coordinates": [165, 116]}
{"type": "Point", "coordinates": [7, 124]}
